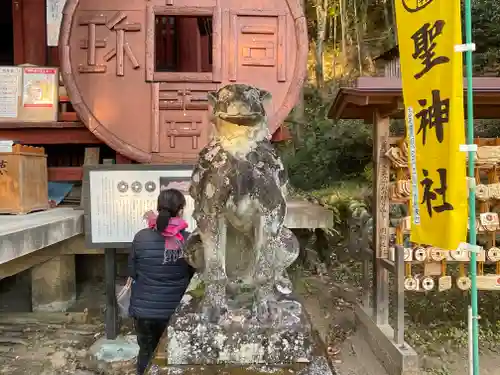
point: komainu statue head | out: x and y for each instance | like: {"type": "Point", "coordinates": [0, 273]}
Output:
{"type": "Point", "coordinates": [239, 117]}
{"type": "Point", "coordinates": [239, 104]}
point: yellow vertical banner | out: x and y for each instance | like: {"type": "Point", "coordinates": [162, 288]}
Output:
{"type": "Point", "coordinates": [432, 78]}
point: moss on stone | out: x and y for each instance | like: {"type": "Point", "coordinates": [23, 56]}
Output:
{"type": "Point", "coordinates": [198, 290]}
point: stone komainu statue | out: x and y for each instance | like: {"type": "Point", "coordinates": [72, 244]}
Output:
{"type": "Point", "coordinates": [240, 245]}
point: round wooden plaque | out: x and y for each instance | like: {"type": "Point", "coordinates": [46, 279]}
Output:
{"type": "Point", "coordinates": [138, 72]}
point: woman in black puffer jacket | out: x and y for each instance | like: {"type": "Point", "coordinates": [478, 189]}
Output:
{"type": "Point", "coordinates": [160, 274]}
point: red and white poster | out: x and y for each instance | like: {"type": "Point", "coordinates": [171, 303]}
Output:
{"type": "Point", "coordinates": [39, 87]}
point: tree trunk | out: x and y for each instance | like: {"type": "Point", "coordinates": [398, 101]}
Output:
{"type": "Point", "coordinates": [343, 32]}
{"type": "Point", "coordinates": [394, 25]}
{"type": "Point", "coordinates": [321, 16]}
{"type": "Point", "coordinates": [388, 24]}
{"type": "Point", "coordinates": [358, 37]}
{"type": "Point", "coordinates": [334, 62]}
{"type": "Point", "coordinates": [367, 53]}
{"type": "Point", "coordinates": [298, 113]}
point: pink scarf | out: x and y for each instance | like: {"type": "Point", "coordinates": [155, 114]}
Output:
{"type": "Point", "coordinates": [173, 236]}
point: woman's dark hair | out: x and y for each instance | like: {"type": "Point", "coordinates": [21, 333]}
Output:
{"type": "Point", "coordinates": [170, 203]}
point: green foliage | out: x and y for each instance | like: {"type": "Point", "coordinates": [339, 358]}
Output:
{"type": "Point", "coordinates": [330, 244]}
{"type": "Point", "coordinates": [486, 35]}
{"type": "Point", "coordinates": [341, 196]}
{"type": "Point", "coordinates": [486, 128]}
{"type": "Point", "coordinates": [328, 152]}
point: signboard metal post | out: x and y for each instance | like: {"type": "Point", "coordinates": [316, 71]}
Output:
{"type": "Point", "coordinates": [111, 316]}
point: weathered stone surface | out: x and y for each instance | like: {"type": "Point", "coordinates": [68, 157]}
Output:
{"type": "Point", "coordinates": [193, 346]}
{"type": "Point", "coordinates": [191, 339]}
{"type": "Point", "coordinates": [54, 284]}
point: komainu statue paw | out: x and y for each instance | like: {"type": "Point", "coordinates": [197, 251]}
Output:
{"type": "Point", "coordinates": [284, 286]}
{"type": "Point", "coordinates": [265, 307]}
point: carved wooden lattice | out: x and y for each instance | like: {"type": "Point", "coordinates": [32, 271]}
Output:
{"type": "Point", "coordinates": [179, 112]}
{"type": "Point", "coordinates": [258, 39]}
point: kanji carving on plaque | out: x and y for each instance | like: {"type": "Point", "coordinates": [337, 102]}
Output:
{"type": "Point", "coordinates": [258, 43]}
{"type": "Point", "coordinates": [184, 129]}
{"type": "Point", "coordinates": [258, 54]}
{"type": "Point", "coordinates": [91, 44]}
{"type": "Point", "coordinates": [3, 167]}
{"type": "Point", "coordinates": [122, 46]}
{"type": "Point", "coordinates": [183, 99]}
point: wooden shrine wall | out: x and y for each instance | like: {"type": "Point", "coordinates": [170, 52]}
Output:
{"type": "Point", "coordinates": [30, 32]}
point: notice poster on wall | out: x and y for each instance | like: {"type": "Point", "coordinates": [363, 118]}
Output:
{"type": "Point", "coordinates": [38, 87]}
{"type": "Point", "coordinates": [40, 95]}
{"type": "Point", "coordinates": [54, 18]}
{"type": "Point", "coordinates": [10, 88]}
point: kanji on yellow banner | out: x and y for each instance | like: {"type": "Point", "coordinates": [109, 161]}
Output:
{"type": "Point", "coordinates": [432, 77]}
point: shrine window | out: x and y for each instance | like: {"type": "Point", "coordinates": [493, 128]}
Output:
{"type": "Point", "coordinates": [183, 44]}
{"type": "Point", "coordinates": [7, 32]}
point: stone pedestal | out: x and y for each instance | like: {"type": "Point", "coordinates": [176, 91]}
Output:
{"type": "Point", "coordinates": [317, 366]}
{"type": "Point", "coordinates": [192, 345]}
{"type": "Point", "coordinates": [54, 284]}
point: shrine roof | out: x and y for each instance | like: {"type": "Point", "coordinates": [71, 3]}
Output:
{"type": "Point", "coordinates": [388, 55]}
{"type": "Point", "coordinates": [383, 94]}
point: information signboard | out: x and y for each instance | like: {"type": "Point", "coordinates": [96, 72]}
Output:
{"type": "Point", "coordinates": [115, 198]}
